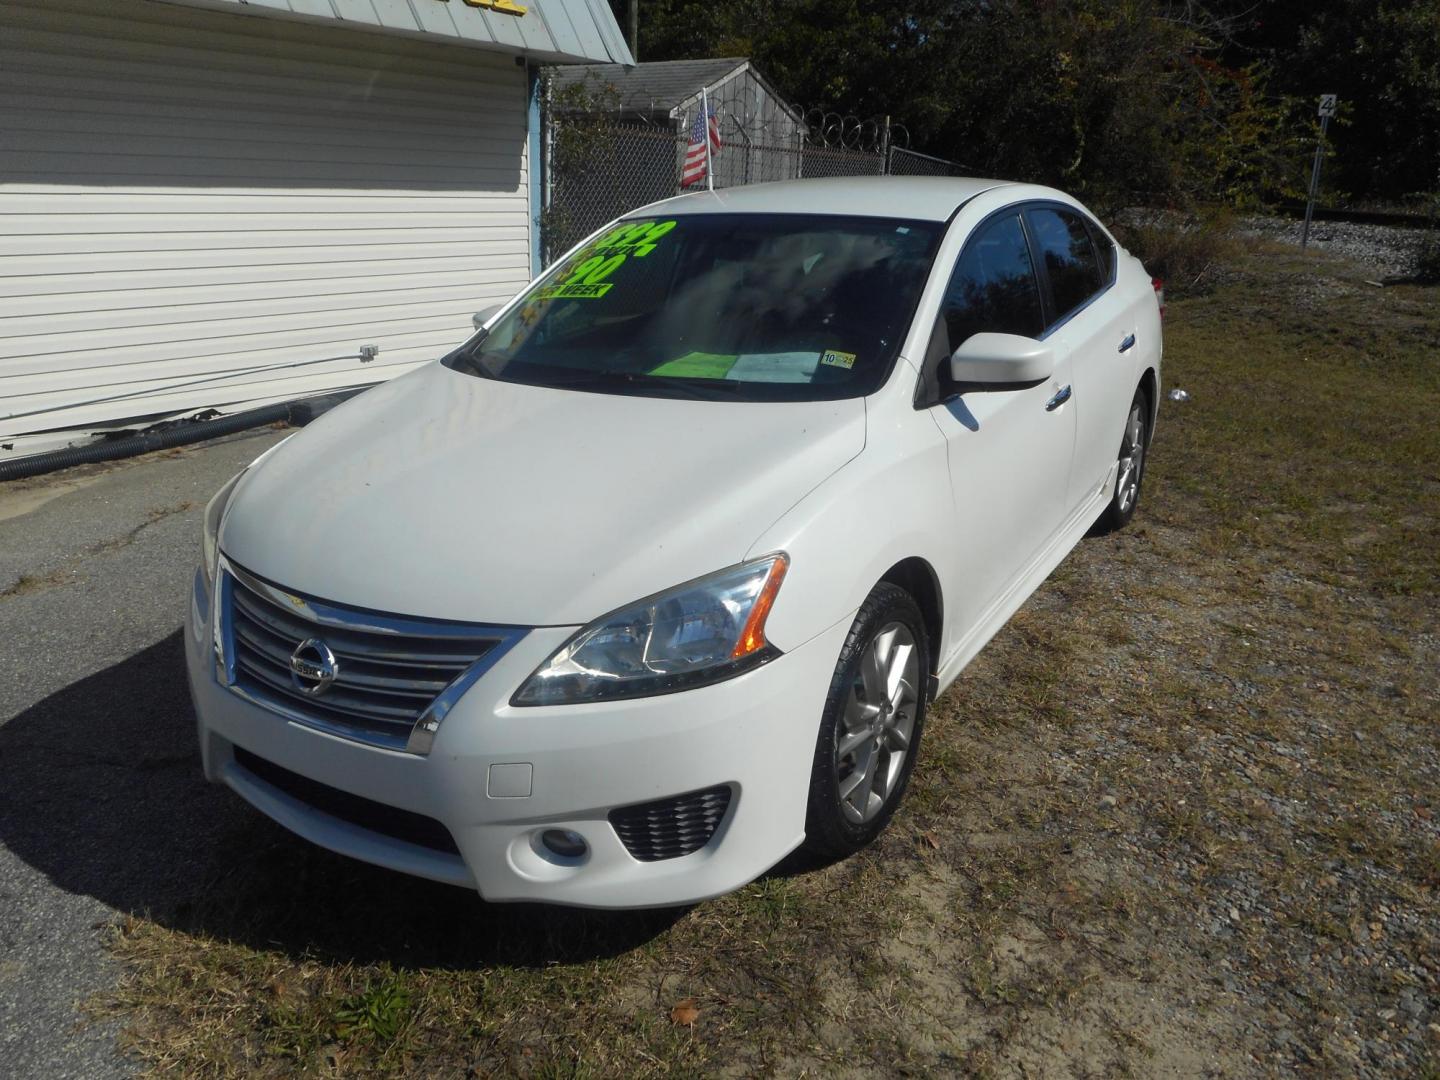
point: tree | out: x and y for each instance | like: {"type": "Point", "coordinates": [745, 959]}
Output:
{"type": "Point", "coordinates": [1178, 99]}
{"type": "Point", "coordinates": [1383, 60]}
{"type": "Point", "coordinates": [1381, 57]}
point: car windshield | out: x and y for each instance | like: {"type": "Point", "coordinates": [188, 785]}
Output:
{"type": "Point", "coordinates": [759, 307]}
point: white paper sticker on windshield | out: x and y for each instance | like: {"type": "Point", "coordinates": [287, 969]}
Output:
{"type": "Point", "coordinates": [788, 367]}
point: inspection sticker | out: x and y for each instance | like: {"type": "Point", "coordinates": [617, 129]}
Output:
{"type": "Point", "coordinates": [578, 291]}
{"type": "Point", "coordinates": [836, 358]}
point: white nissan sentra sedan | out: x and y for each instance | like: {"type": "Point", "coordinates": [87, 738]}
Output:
{"type": "Point", "coordinates": [651, 580]}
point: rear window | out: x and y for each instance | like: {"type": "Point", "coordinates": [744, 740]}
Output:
{"type": "Point", "coordinates": [1069, 256]}
{"type": "Point", "coordinates": [1105, 248]}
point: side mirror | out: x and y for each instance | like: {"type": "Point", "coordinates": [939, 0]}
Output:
{"type": "Point", "coordinates": [484, 315]}
{"type": "Point", "coordinates": [1002, 358]}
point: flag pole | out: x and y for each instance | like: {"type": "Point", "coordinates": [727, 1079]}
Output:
{"type": "Point", "coordinates": [705, 123]}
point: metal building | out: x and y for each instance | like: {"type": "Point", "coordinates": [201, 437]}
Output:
{"type": "Point", "coordinates": [195, 194]}
{"type": "Point", "coordinates": [668, 94]}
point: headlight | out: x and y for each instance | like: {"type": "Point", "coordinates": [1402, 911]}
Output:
{"type": "Point", "coordinates": [698, 633]}
{"type": "Point", "coordinates": [214, 514]}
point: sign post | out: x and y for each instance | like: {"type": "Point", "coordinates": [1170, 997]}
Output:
{"type": "Point", "coordinates": [1327, 110]}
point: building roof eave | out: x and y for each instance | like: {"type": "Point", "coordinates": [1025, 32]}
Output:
{"type": "Point", "coordinates": [549, 31]}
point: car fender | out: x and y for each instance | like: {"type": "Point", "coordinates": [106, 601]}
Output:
{"type": "Point", "coordinates": [889, 503]}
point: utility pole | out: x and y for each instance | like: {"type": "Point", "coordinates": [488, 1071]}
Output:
{"type": "Point", "coordinates": [1327, 110]}
{"type": "Point", "coordinates": [635, 29]}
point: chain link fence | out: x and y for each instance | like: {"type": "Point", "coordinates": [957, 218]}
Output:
{"type": "Point", "coordinates": [905, 162]}
{"type": "Point", "coordinates": [597, 169]}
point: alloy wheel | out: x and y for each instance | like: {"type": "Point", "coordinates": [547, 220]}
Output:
{"type": "Point", "coordinates": [877, 727]}
{"type": "Point", "coordinates": [1132, 459]}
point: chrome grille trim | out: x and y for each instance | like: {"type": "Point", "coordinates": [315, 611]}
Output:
{"type": "Point", "coordinates": [397, 677]}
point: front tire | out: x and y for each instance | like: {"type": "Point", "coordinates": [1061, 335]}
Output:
{"type": "Point", "coordinates": [871, 724]}
{"type": "Point", "coordinates": [1130, 466]}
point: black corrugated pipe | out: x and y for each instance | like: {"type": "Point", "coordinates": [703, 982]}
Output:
{"type": "Point", "coordinates": [292, 412]}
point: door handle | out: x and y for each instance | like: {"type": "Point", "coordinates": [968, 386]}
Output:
{"type": "Point", "coordinates": [1061, 396]}
{"type": "Point", "coordinates": [1128, 343]}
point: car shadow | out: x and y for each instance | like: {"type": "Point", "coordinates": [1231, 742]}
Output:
{"type": "Point", "coordinates": [101, 790]}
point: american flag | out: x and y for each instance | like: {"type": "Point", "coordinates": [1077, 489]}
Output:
{"type": "Point", "coordinates": [695, 160]}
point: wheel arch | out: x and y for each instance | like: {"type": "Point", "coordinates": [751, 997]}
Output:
{"type": "Point", "coordinates": [1150, 384]}
{"type": "Point", "coordinates": [918, 578]}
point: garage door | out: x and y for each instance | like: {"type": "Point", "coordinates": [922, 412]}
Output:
{"type": "Point", "coordinates": [191, 200]}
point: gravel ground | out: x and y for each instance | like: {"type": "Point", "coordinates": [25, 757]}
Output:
{"type": "Point", "coordinates": [1386, 249]}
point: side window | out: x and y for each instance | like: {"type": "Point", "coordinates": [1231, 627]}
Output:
{"type": "Point", "coordinates": [1106, 249]}
{"type": "Point", "coordinates": [993, 287]}
{"type": "Point", "coordinates": [1063, 242]}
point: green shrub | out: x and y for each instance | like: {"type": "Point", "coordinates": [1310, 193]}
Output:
{"type": "Point", "coordinates": [1181, 249]}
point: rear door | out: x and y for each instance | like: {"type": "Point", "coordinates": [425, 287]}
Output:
{"type": "Point", "coordinates": [1089, 322]}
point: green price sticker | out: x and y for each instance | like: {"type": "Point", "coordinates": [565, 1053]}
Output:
{"type": "Point", "coordinates": [638, 239]}
{"type": "Point", "coordinates": [579, 291]}
{"type": "Point", "coordinates": [698, 365]}
{"type": "Point", "coordinates": [589, 279]}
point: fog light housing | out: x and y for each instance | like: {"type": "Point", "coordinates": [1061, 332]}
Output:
{"type": "Point", "coordinates": [564, 843]}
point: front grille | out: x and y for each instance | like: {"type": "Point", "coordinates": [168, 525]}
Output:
{"type": "Point", "coordinates": [390, 670]}
{"type": "Point", "coordinates": [670, 828]}
{"type": "Point", "coordinates": [364, 813]}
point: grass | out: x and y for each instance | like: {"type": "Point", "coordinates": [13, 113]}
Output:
{"type": "Point", "coordinates": [1179, 817]}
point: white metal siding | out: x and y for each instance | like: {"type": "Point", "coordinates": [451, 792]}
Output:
{"type": "Point", "coordinates": [186, 195]}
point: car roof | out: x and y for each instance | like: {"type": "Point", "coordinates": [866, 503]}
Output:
{"type": "Point", "coordinates": [920, 198]}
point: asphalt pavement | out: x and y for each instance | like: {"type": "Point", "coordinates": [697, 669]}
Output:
{"type": "Point", "coordinates": [103, 811]}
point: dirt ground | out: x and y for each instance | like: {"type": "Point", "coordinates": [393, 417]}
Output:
{"type": "Point", "coordinates": [1178, 819]}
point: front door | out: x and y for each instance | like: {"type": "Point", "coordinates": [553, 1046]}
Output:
{"type": "Point", "coordinates": [1009, 449]}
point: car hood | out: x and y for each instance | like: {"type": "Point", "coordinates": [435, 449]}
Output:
{"type": "Point", "coordinates": [445, 495]}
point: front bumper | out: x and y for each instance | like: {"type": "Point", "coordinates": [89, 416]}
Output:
{"type": "Point", "coordinates": [755, 733]}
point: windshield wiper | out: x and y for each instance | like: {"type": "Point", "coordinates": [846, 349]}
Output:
{"type": "Point", "coordinates": [623, 381]}
{"type": "Point", "coordinates": [697, 389]}
{"type": "Point", "coordinates": [574, 377]}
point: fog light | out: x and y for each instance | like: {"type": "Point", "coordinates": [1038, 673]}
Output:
{"type": "Point", "coordinates": [564, 843]}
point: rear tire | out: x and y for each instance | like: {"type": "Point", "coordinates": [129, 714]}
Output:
{"type": "Point", "coordinates": [871, 724]}
{"type": "Point", "coordinates": [1130, 474]}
